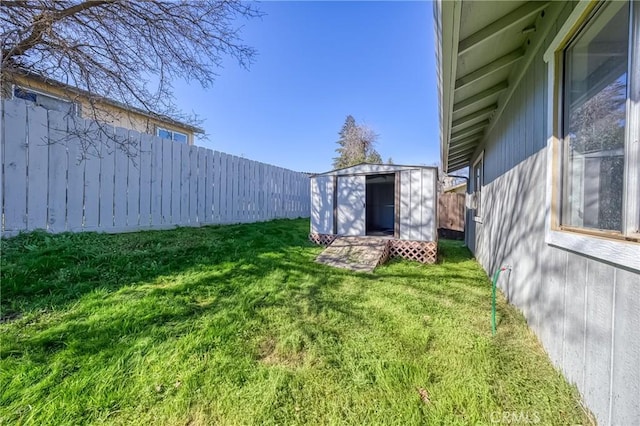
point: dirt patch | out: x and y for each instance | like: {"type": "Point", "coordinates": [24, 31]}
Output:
{"type": "Point", "coordinates": [270, 354]}
{"type": "Point", "coordinates": [11, 316]}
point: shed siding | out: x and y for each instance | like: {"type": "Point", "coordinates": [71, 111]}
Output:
{"type": "Point", "coordinates": [322, 205]}
{"type": "Point", "coordinates": [418, 205]}
{"type": "Point", "coordinates": [351, 205]}
{"type": "Point", "coordinates": [585, 312]}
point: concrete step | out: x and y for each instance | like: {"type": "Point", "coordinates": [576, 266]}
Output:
{"type": "Point", "coordinates": [360, 254]}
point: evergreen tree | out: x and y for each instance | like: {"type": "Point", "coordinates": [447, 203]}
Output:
{"type": "Point", "coordinates": [356, 145]}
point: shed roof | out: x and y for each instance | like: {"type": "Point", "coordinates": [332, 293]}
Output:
{"type": "Point", "coordinates": [483, 50]}
{"type": "Point", "coordinates": [366, 168]}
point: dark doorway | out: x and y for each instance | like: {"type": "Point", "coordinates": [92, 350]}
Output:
{"type": "Point", "coordinates": [380, 204]}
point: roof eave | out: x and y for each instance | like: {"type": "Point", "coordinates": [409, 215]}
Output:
{"type": "Point", "coordinates": [446, 39]}
{"type": "Point", "coordinates": [108, 101]}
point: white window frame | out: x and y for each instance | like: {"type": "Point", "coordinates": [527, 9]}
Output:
{"type": "Point", "coordinates": [76, 105]}
{"type": "Point", "coordinates": [478, 203]}
{"type": "Point", "coordinates": [620, 249]}
{"type": "Point", "coordinates": [158, 129]}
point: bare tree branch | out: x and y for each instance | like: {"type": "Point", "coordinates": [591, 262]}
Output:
{"type": "Point", "coordinates": [129, 51]}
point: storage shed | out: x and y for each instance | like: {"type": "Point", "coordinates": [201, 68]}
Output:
{"type": "Point", "coordinates": [395, 202]}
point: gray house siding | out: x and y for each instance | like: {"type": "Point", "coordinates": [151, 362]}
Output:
{"type": "Point", "coordinates": [585, 312]}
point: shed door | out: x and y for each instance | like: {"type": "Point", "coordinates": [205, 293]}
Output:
{"type": "Point", "coordinates": [351, 205]}
{"type": "Point", "coordinates": [322, 205]}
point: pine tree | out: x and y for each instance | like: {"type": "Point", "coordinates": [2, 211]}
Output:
{"type": "Point", "coordinates": [355, 145]}
{"type": "Point", "coordinates": [346, 136]}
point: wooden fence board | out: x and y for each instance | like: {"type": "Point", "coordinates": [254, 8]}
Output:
{"type": "Point", "coordinates": [75, 175]}
{"type": "Point", "coordinates": [107, 176]}
{"type": "Point", "coordinates": [233, 217]}
{"type": "Point", "coordinates": [145, 180]}
{"type": "Point", "coordinates": [157, 165]}
{"type": "Point", "coordinates": [290, 200]}
{"type": "Point", "coordinates": [225, 183]}
{"type": "Point", "coordinates": [92, 179]}
{"type": "Point", "coordinates": [207, 198]}
{"type": "Point", "coordinates": [184, 185]}
{"type": "Point", "coordinates": [193, 184]}
{"type": "Point", "coordinates": [244, 183]}
{"type": "Point", "coordinates": [175, 181]}
{"type": "Point", "coordinates": [250, 191]}
{"type": "Point", "coordinates": [217, 167]}
{"type": "Point", "coordinates": [133, 180]}
{"type": "Point", "coordinates": [254, 191]}
{"type": "Point", "coordinates": [202, 185]}
{"type": "Point", "coordinates": [15, 170]}
{"type": "Point", "coordinates": [261, 195]}
{"type": "Point", "coordinates": [120, 188]}
{"type": "Point", "coordinates": [166, 176]}
{"type": "Point", "coordinates": [57, 199]}
{"type": "Point", "coordinates": [231, 181]}
{"type": "Point", "coordinates": [38, 163]}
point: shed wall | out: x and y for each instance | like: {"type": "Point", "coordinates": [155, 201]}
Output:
{"type": "Point", "coordinates": [585, 312]}
{"type": "Point", "coordinates": [418, 205]}
{"type": "Point", "coordinates": [322, 188]}
{"type": "Point", "coordinates": [417, 209]}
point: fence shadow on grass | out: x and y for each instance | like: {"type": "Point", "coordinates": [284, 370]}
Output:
{"type": "Point", "coordinates": [149, 284]}
{"type": "Point", "coordinates": [125, 323]}
{"type": "Point", "coordinates": [165, 278]}
{"type": "Point", "coordinates": [41, 271]}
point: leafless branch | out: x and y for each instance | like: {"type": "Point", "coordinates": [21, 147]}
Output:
{"type": "Point", "coordinates": [129, 51]}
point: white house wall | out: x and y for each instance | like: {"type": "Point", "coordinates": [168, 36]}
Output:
{"type": "Point", "coordinates": [585, 312]}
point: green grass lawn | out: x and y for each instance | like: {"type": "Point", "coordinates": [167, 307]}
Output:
{"type": "Point", "coordinates": [238, 325]}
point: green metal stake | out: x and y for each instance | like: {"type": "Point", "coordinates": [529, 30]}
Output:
{"type": "Point", "coordinates": [493, 298]}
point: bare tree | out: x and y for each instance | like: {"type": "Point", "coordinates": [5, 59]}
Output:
{"type": "Point", "coordinates": [129, 51]}
{"type": "Point", "coordinates": [356, 145]}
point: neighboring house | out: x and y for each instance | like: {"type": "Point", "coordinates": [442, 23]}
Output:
{"type": "Point", "coordinates": [460, 188]}
{"type": "Point", "coordinates": [54, 95]}
{"type": "Point", "coordinates": [541, 100]}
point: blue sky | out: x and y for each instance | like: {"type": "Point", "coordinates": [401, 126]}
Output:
{"type": "Point", "coordinates": [318, 62]}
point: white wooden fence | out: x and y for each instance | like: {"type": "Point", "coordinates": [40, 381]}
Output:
{"type": "Point", "coordinates": [47, 182]}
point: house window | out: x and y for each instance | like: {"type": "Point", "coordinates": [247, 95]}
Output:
{"type": "Point", "coordinates": [594, 121]}
{"type": "Point", "coordinates": [172, 135]}
{"type": "Point", "coordinates": [593, 202]}
{"type": "Point", "coordinates": [46, 101]}
{"type": "Point", "coordinates": [478, 182]}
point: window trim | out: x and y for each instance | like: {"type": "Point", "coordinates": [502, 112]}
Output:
{"type": "Point", "coordinates": [159, 128]}
{"type": "Point", "coordinates": [479, 160]}
{"type": "Point", "coordinates": [617, 249]}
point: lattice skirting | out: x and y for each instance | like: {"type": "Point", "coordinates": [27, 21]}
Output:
{"type": "Point", "coordinates": [422, 251]}
{"type": "Point", "coordinates": [322, 239]}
